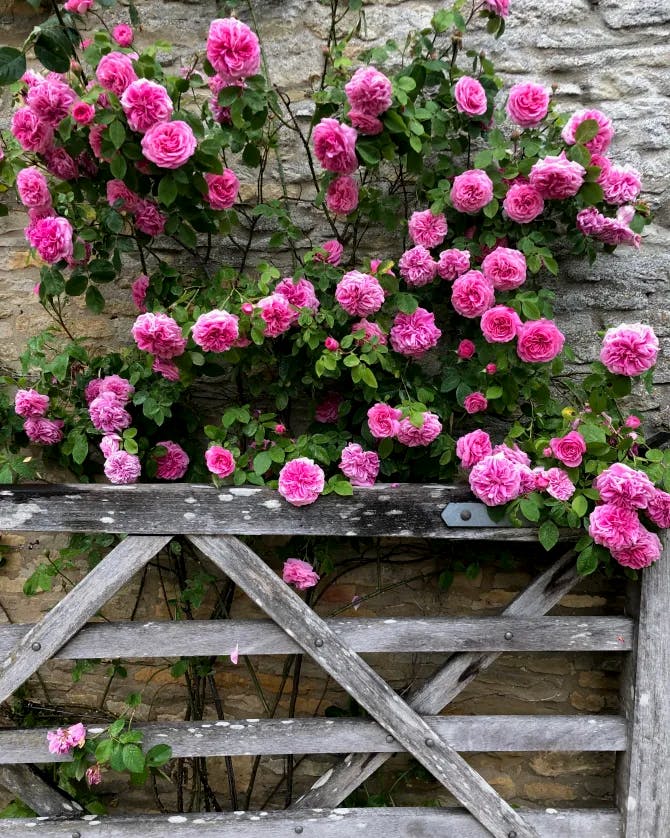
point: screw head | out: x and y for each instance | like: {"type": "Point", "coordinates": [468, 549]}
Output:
{"type": "Point", "coordinates": [465, 514]}
{"type": "Point", "coordinates": [509, 635]}
{"type": "Point", "coordinates": [390, 738]}
{"type": "Point", "coordinates": [76, 835]}
{"type": "Point", "coordinates": [511, 833]}
{"type": "Point", "coordinates": [429, 742]}
{"type": "Point", "coordinates": [36, 647]}
{"type": "Point", "coordinates": [318, 642]}
{"type": "Point", "coordinates": [298, 830]}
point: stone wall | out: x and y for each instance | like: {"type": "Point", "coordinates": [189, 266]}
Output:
{"type": "Point", "coordinates": [612, 54]}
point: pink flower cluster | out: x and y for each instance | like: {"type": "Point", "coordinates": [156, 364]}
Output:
{"type": "Point", "coordinates": [359, 466]}
{"type": "Point", "coordinates": [148, 218]}
{"type": "Point", "coordinates": [370, 94]}
{"type": "Point", "coordinates": [528, 104]}
{"type": "Point", "coordinates": [301, 481]}
{"type": "Point", "coordinates": [222, 190]}
{"type": "Point", "coordinates": [386, 422]}
{"type": "Point", "coordinates": [216, 331]}
{"type": "Point", "coordinates": [471, 191]}
{"type": "Point", "coordinates": [417, 266]}
{"type": "Point", "coordinates": [299, 573]}
{"type": "Point", "coordinates": [63, 740]}
{"type": "Point", "coordinates": [414, 334]}
{"type": "Point", "coordinates": [359, 294]}
{"type": "Point", "coordinates": [342, 195]}
{"type": "Point", "coordinates": [33, 406]}
{"type": "Point", "coordinates": [169, 144]}
{"type": "Point", "coordinates": [629, 349]}
{"type": "Point", "coordinates": [470, 96]}
{"type": "Point", "coordinates": [52, 238]}
{"type": "Point", "coordinates": [115, 72]}
{"type": "Point", "coordinates": [233, 49]}
{"type": "Point", "coordinates": [220, 461]}
{"type": "Point", "coordinates": [601, 142]}
{"type": "Point", "coordinates": [613, 231]}
{"type": "Point", "coordinates": [427, 229]}
{"type": "Point", "coordinates": [335, 146]}
{"type": "Point", "coordinates": [145, 104]}
{"type": "Point", "coordinates": [556, 178]}
{"type": "Point", "coordinates": [173, 462]}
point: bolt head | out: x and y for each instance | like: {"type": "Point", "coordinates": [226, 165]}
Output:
{"type": "Point", "coordinates": [429, 742]}
{"type": "Point", "coordinates": [76, 835]}
{"type": "Point", "coordinates": [318, 642]}
{"type": "Point", "coordinates": [390, 738]}
{"type": "Point", "coordinates": [298, 830]}
{"type": "Point", "coordinates": [509, 635]}
{"type": "Point", "coordinates": [512, 834]}
{"type": "Point", "coordinates": [466, 515]}
{"type": "Point", "coordinates": [36, 647]}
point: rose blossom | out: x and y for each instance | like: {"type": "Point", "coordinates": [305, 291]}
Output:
{"type": "Point", "coordinates": [299, 573]}
{"type": "Point", "coordinates": [569, 449]}
{"type": "Point", "coordinates": [365, 123]}
{"type": "Point", "coordinates": [359, 466]}
{"type": "Point", "coordinates": [169, 144]}
{"type": "Point", "coordinates": [629, 349]}
{"type": "Point", "coordinates": [327, 411]}
{"type": "Point", "coordinates": [277, 313]}
{"type": "Point", "coordinates": [523, 203]}
{"type": "Point", "coordinates": [33, 188]}
{"type": "Point", "coordinates": [491, 369]}
{"type": "Point", "coordinates": [624, 486]}
{"type": "Point", "coordinates": [334, 251]}
{"type": "Point", "coordinates": [384, 420]}
{"type": "Point", "coordinates": [427, 229]}
{"type": "Point", "coordinates": [470, 96]}
{"type": "Point", "coordinates": [158, 334]}
{"type": "Point", "coordinates": [52, 238]}
{"type": "Point", "coordinates": [369, 91]}
{"type": "Point", "coordinates": [51, 100]}
{"type": "Point", "coordinates": [82, 113]}
{"type": "Point", "coordinates": [216, 331]}
{"type": "Point", "coordinates": [173, 463]}
{"type": "Point", "coordinates": [452, 263]}
{"type": "Point", "coordinates": [300, 293]}
{"type": "Point", "coordinates": [110, 444]}
{"type": "Point", "coordinates": [146, 103]}
{"type": "Point", "coordinates": [601, 142]}
{"type": "Point", "coordinates": [115, 72]}
{"type": "Point", "coordinates": [59, 741]}
{"type": "Point", "coordinates": [222, 190]}
{"type": "Point", "coordinates": [417, 267]}
{"type": "Point", "coordinates": [359, 294]}
{"type": "Point", "coordinates": [119, 387]}
{"type": "Point", "coordinates": [30, 404]}
{"type": "Point", "coordinates": [495, 480]}
{"type": "Point", "coordinates": [471, 191]}
{"type": "Point", "coordinates": [557, 177]}
{"type": "Point", "coordinates": [644, 551]}
{"type": "Point", "coordinates": [621, 184]}
{"type": "Point", "coordinates": [342, 195]}
{"type": "Point", "coordinates": [500, 324]}
{"type": "Point", "coordinates": [472, 294]}
{"type": "Point", "coordinates": [94, 775]}
{"type": "Point", "coordinates": [373, 333]}
{"type": "Point", "coordinates": [79, 7]}
{"type": "Point", "coordinates": [475, 403]}
{"type": "Point", "coordinates": [168, 369]}
{"type": "Point", "coordinates": [414, 334]}
{"type": "Point", "coordinates": [613, 526]}
{"type": "Point", "coordinates": [30, 131]}
{"type": "Point", "coordinates": [61, 164]}
{"type": "Point", "coordinates": [331, 344]}
{"type": "Point", "coordinates": [44, 431]}
{"type": "Point", "coordinates": [123, 34]}
{"type": "Point", "coordinates": [658, 508]}
{"type": "Point", "coordinates": [614, 231]}
{"type": "Point", "coordinates": [505, 268]}
{"type": "Point", "coordinates": [558, 484]}
{"type": "Point", "coordinates": [528, 104]}
{"type": "Point", "coordinates": [120, 197]}
{"type": "Point", "coordinates": [220, 461]}
{"type": "Point", "coordinates": [499, 7]}
{"type": "Point", "coordinates": [473, 447]}
{"type": "Point", "coordinates": [411, 436]}
{"type": "Point", "coordinates": [335, 146]}
{"type": "Point", "coordinates": [539, 341]}
{"type": "Point", "coordinates": [466, 349]}
{"type": "Point", "coordinates": [149, 219]}
{"type": "Point", "coordinates": [233, 49]}
{"type": "Point", "coordinates": [139, 292]}
{"type": "Point", "coordinates": [301, 481]}
{"type": "Point", "coordinates": [108, 413]}
{"type": "Point", "coordinates": [513, 454]}
{"type": "Point", "coordinates": [122, 467]}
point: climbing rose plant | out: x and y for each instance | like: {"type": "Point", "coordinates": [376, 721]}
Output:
{"type": "Point", "coordinates": [378, 350]}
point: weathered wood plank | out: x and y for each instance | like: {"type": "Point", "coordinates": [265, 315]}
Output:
{"type": "Point", "coordinates": [406, 634]}
{"type": "Point", "coordinates": [406, 510]}
{"type": "Point", "coordinates": [79, 605]}
{"type": "Point", "coordinates": [321, 823]}
{"type": "Point", "coordinates": [24, 782]}
{"type": "Point", "coordinates": [646, 809]}
{"type": "Point", "coordinates": [286, 608]}
{"type": "Point", "coordinates": [242, 737]}
{"type": "Point", "coordinates": [540, 596]}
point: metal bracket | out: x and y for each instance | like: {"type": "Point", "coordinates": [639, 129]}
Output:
{"type": "Point", "coordinates": [470, 515]}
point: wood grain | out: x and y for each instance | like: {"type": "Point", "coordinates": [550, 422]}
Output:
{"type": "Point", "coordinates": [26, 784]}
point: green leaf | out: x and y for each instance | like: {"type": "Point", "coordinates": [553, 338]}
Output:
{"type": "Point", "coordinates": [591, 193]}
{"type": "Point", "coordinates": [579, 505]}
{"type": "Point", "coordinates": [158, 755]}
{"type": "Point", "coordinates": [117, 133]}
{"type": "Point", "coordinates": [592, 433]}
{"type": "Point", "coordinates": [343, 487]}
{"type": "Point", "coordinates": [76, 285]}
{"type": "Point", "coordinates": [118, 166]}
{"type": "Point", "coordinates": [491, 209]}
{"type": "Point", "coordinates": [103, 750]}
{"type": "Point", "coordinates": [251, 156]}
{"type": "Point", "coordinates": [262, 462]}
{"type": "Point", "coordinates": [529, 509]}
{"type": "Point", "coordinates": [133, 758]}
{"type": "Point", "coordinates": [494, 392]}
{"type": "Point", "coordinates": [587, 130]}
{"type": "Point", "coordinates": [12, 65]}
{"type": "Point", "coordinates": [116, 727]}
{"type": "Point", "coordinates": [531, 310]}
{"type": "Point", "coordinates": [407, 303]}
{"type": "Point", "coordinates": [587, 562]}
{"type": "Point", "coordinates": [548, 535]}
{"type": "Point", "coordinates": [80, 449]}
{"type": "Point", "coordinates": [385, 448]}
{"type": "Point", "coordinates": [368, 377]}
{"type": "Point", "coordinates": [406, 83]}
{"type": "Point", "coordinates": [94, 299]}
{"type": "Point", "coordinates": [51, 53]}
{"type": "Point", "coordinates": [167, 190]}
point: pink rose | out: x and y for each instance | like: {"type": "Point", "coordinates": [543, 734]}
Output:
{"type": "Point", "coordinates": [505, 268]}
{"type": "Point", "coordinates": [644, 551]}
{"type": "Point", "coordinates": [233, 49]}
{"type": "Point", "coordinates": [30, 404]}
{"type": "Point", "coordinates": [359, 466]}
{"type": "Point", "coordinates": [613, 526]}
{"type": "Point", "coordinates": [539, 341]}
{"type": "Point", "coordinates": [331, 344]}
{"type": "Point", "coordinates": [115, 72]}
{"type": "Point", "coordinates": [33, 188]}
{"type": "Point", "coordinates": [301, 481]}
{"type": "Point", "coordinates": [411, 436]}
{"type": "Point", "coordinates": [384, 420]}
{"type": "Point", "coordinates": [342, 195]}
{"type": "Point", "coordinates": [110, 444]}
{"type": "Point", "coordinates": [473, 447]}
{"type": "Point", "coordinates": [32, 133]}
{"type": "Point", "coordinates": [629, 349]}
{"type": "Point", "coordinates": [299, 292]}
{"type": "Point", "coordinates": [173, 463]}
{"type": "Point", "coordinates": [471, 191]}
{"type": "Point", "coordinates": [123, 34]}
{"type": "Point", "coordinates": [365, 123]}
{"type": "Point", "coordinates": [466, 349]}
{"type": "Point", "coordinates": [658, 508]}
{"type": "Point", "coordinates": [139, 292]}
{"type": "Point", "coordinates": [453, 263]}
{"type": "Point", "coordinates": [77, 735]}
{"type": "Point", "coordinates": [44, 431]}
{"type": "Point", "coordinates": [557, 177]}
{"type": "Point", "coordinates": [498, 7]}
{"type": "Point", "coordinates": [146, 103]}
{"type": "Point", "coordinates": [121, 198]}
{"type": "Point", "coordinates": [369, 91]}
{"type": "Point", "coordinates": [51, 100]}
{"type": "Point", "coordinates": [277, 313]}
{"type": "Point", "coordinates": [621, 184]}
{"type": "Point", "coordinates": [495, 480]}
{"type": "Point", "coordinates": [52, 238]}
{"type": "Point", "coordinates": [328, 410]}
{"type": "Point", "coordinates": [559, 485]}
{"type": "Point", "coordinates": [94, 775]}
{"type": "Point", "coordinates": [472, 294]}
{"type": "Point", "coordinates": [624, 486]}
{"type": "Point", "coordinates": [220, 461]}
{"type": "Point", "coordinates": [500, 324]}
{"type": "Point", "coordinates": [475, 403]}
{"type": "Point", "coordinates": [569, 449]}
{"type": "Point", "coordinates": [528, 104]}
{"type": "Point", "coordinates": [108, 414]}
{"type": "Point", "coordinates": [149, 219]}
{"type": "Point", "coordinates": [491, 369]}
{"type": "Point", "coordinates": [83, 113]}
{"type": "Point", "coordinates": [470, 96]}
{"type": "Point", "coordinates": [222, 190]}
{"type": "Point", "coordinates": [335, 146]}
{"type": "Point", "coordinates": [373, 333]}
{"type": "Point", "coordinates": [61, 164]}
{"type": "Point", "coordinates": [417, 267]}
{"type": "Point", "coordinates": [216, 331]}
{"type": "Point", "coordinates": [79, 7]}
{"type": "Point", "coordinates": [359, 294]}
{"type": "Point", "coordinates": [119, 387]}
{"type": "Point", "coordinates": [523, 203]}
{"type": "Point", "coordinates": [414, 334]}
{"type": "Point", "coordinates": [122, 467]}
{"type": "Point", "coordinates": [169, 144]}
{"type": "Point", "coordinates": [299, 573]}
{"type": "Point", "coordinates": [158, 334]}
{"type": "Point", "coordinates": [601, 142]}
{"type": "Point", "coordinates": [513, 454]}
{"type": "Point", "coordinates": [168, 369]}
{"type": "Point", "coordinates": [333, 250]}
{"type": "Point", "coordinates": [614, 231]}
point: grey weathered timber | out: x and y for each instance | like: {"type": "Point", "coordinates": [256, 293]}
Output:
{"type": "Point", "coordinates": [460, 670]}
{"type": "Point", "coordinates": [243, 737]}
{"type": "Point", "coordinates": [28, 786]}
{"type": "Point", "coordinates": [396, 822]}
{"type": "Point", "coordinates": [41, 642]}
{"type": "Point", "coordinates": [405, 510]}
{"type": "Point", "coordinates": [288, 610]}
{"type": "Point", "coordinates": [646, 801]}
{"type": "Point", "coordinates": [406, 634]}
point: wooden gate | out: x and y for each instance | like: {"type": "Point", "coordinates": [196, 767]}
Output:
{"type": "Point", "coordinates": [211, 519]}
